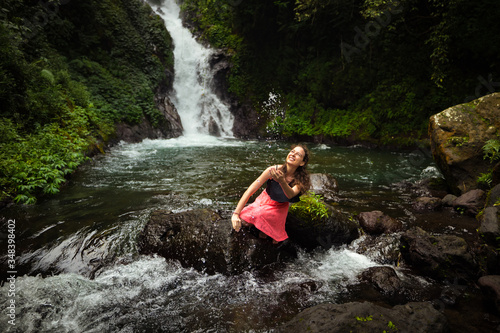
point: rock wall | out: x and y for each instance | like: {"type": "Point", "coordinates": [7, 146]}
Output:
{"type": "Point", "coordinates": [457, 136]}
{"type": "Point", "coordinates": [170, 125]}
{"type": "Point", "coordinates": [247, 123]}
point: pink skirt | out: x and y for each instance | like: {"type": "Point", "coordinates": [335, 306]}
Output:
{"type": "Point", "coordinates": [268, 216]}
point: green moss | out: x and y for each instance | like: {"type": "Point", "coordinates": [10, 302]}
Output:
{"type": "Point", "coordinates": [458, 141]}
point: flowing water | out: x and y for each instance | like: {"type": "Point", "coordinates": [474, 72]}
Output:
{"type": "Point", "coordinates": [78, 269]}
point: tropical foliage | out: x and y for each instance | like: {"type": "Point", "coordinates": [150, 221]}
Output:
{"type": "Point", "coordinates": [69, 71]}
{"type": "Point", "coordinates": [371, 70]}
{"type": "Point", "coordinates": [491, 150]}
{"type": "Point", "coordinates": [311, 207]}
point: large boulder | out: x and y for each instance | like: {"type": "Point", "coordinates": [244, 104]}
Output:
{"type": "Point", "coordinates": [197, 238]}
{"type": "Point", "coordinates": [204, 240]}
{"type": "Point", "coordinates": [490, 285]}
{"type": "Point", "coordinates": [470, 202]}
{"type": "Point", "coordinates": [490, 226]}
{"type": "Point", "coordinates": [168, 126]}
{"type": "Point", "coordinates": [337, 229]}
{"type": "Point", "coordinates": [438, 256]}
{"type": "Point", "coordinates": [457, 136]}
{"type": "Point", "coordinates": [383, 278]}
{"type": "Point", "coordinates": [376, 222]}
{"type": "Point", "coordinates": [324, 185]}
{"type": "Point", "coordinates": [368, 317]}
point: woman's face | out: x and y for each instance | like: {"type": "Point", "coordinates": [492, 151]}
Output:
{"type": "Point", "coordinates": [296, 157]}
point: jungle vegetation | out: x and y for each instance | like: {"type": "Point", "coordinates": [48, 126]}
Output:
{"type": "Point", "coordinates": [369, 70]}
{"type": "Point", "coordinates": [69, 71]}
{"type": "Point", "coordinates": [362, 70]}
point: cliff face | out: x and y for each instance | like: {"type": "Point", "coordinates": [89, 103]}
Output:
{"type": "Point", "coordinates": [458, 135]}
{"type": "Point", "coordinates": [169, 125]}
{"type": "Point", "coordinates": [247, 123]}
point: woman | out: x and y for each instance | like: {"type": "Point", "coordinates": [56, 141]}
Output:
{"type": "Point", "coordinates": [284, 184]}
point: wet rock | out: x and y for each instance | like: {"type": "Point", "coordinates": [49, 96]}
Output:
{"type": "Point", "coordinates": [387, 285]}
{"type": "Point", "coordinates": [490, 225]}
{"type": "Point", "coordinates": [384, 249]}
{"type": "Point", "coordinates": [335, 230]}
{"type": "Point", "coordinates": [197, 238]}
{"type": "Point", "coordinates": [493, 196]}
{"type": "Point", "coordinates": [368, 317]}
{"type": "Point", "coordinates": [324, 185]}
{"type": "Point", "coordinates": [448, 200]}
{"type": "Point", "coordinates": [490, 285]}
{"type": "Point", "coordinates": [220, 64]}
{"type": "Point", "coordinates": [383, 278]}
{"type": "Point", "coordinates": [169, 125]}
{"type": "Point", "coordinates": [247, 251]}
{"type": "Point", "coordinates": [376, 222]}
{"type": "Point", "coordinates": [457, 136]}
{"type": "Point", "coordinates": [135, 133]}
{"type": "Point", "coordinates": [213, 128]}
{"type": "Point", "coordinates": [450, 295]}
{"type": "Point", "coordinates": [436, 187]}
{"type": "Point", "coordinates": [247, 123]}
{"type": "Point", "coordinates": [427, 203]}
{"type": "Point", "coordinates": [438, 256]}
{"type": "Point", "coordinates": [202, 239]}
{"type": "Point", "coordinates": [471, 202]}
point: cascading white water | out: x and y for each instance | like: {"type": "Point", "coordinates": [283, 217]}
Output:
{"type": "Point", "coordinates": [201, 111]}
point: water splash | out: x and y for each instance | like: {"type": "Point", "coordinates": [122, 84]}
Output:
{"type": "Point", "coordinates": [150, 293]}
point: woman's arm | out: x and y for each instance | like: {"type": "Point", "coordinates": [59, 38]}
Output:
{"type": "Point", "coordinates": [235, 219]}
{"type": "Point", "coordinates": [279, 176]}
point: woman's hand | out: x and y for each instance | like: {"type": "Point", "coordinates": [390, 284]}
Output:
{"type": "Point", "coordinates": [277, 175]}
{"type": "Point", "coordinates": [235, 219]}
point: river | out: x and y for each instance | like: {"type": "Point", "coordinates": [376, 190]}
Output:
{"type": "Point", "coordinates": [79, 271]}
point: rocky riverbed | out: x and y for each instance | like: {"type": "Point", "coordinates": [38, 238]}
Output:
{"type": "Point", "coordinates": [425, 277]}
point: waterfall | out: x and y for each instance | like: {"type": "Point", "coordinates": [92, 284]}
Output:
{"type": "Point", "coordinates": [201, 111]}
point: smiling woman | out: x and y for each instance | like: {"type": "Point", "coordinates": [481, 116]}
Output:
{"type": "Point", "coordinates": [284, 184]}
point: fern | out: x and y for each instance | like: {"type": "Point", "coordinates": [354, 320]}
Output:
{"type": "Point", "coordinates": [492, 150]}
{"type": "Point", "coordinates": [311, 208]}
{"type": "Point", "coordinates": [485, 178]}
{"type": "Point", "coordinates": [47, 75]}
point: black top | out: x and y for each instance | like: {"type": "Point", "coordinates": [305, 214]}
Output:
{"type": "Point", "coordinates": [276, 193]}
